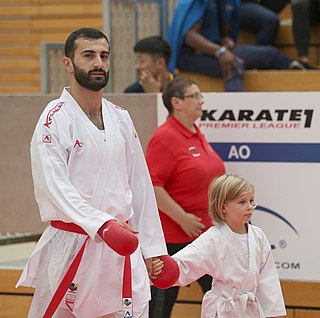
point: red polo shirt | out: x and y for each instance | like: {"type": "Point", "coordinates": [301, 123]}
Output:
{"type": "Point", "coordinates": [183, 163]}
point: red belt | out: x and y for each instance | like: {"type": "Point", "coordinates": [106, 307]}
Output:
{"type": "Point", "coordinates": [72, 270]}
{"type": "Point", "coordinates": [69, 227]}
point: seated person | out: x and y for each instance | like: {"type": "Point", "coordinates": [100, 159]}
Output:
{"type": "Point", "coordinates": [152, 58]}
{"type": "Point", "coordinates": [203, 35]}
{"type": "Point", "coordinates": [262, 18]}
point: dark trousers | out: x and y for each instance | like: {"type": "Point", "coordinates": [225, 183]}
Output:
{"type": "Point", "coordinates": [263, 19]}
{"type": "Point", "coordinates": [162, 300]}
{"type": "Point", "coordinates": [273, 5]}
{"type": "Point", "coordinates": [301, 26]}
{"type": "Point", "coordinates": [256, 18]}
{"type": "Point", "coordinates": [261, 57]}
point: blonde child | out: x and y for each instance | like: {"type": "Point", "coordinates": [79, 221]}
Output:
{"type": "Point", "coordinates": [236, 254]}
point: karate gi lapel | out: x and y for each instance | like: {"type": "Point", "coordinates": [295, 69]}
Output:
{"type": "Point", "coordinates": [233, 240]}
{"type": "Point", "coordinates": [250, 280]}
{"type": "Point", "coordinates": [111, 190]}
{"type": "Point", "coordinates": [79, 115]}
{"type": "Point", "coordinates": [249, 285]}
{"type": "Point", "coordinates": [107, 148]}
{"type": "Point", "coordinates": [247, 291]}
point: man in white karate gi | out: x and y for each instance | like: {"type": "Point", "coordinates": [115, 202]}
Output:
{"type": "Point", "coordinates": [89, 169]}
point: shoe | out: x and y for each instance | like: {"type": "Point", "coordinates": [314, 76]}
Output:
{"type": "Point", "coordinates": [297, 65]}
{"type": "Point", "coordinates": [308, 66]}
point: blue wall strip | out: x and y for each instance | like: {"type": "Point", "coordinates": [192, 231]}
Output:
{"type": "Point", "coordinates": [268, 152]}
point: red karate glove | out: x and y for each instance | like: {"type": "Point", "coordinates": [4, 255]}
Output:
{"type": "Point", "coordinates": [119, 238]}
{"type": "Point", "coordinates": [169, 275]}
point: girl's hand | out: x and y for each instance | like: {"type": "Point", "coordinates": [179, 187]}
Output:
{"type": "Point", "coordinates": [154, 266]}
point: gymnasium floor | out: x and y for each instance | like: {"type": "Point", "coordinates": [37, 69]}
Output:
{"type": "Point", "coordinates": [14, 256]}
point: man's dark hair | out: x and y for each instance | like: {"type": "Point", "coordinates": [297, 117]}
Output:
{"type": "Point", "coordinates": [84, 33]}
{"type": "Point", "coordinates": [156, 46]}
{"type": "Point", "coordinates": [175, 88]}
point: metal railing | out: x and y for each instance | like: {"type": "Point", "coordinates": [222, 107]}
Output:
{"type": "Point", "coordinates": [53, 75]}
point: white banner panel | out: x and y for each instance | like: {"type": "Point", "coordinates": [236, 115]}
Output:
{"type": "Point", "coordinates": [273, 140]}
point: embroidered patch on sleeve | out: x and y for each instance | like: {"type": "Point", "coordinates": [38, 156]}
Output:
{"type": "Point", "coordinates": [194, 151]}
{"type": "Point", "coordinates": [46, 138]}
{"type": "Point", "coordinates": [51, 112]}
{"type": "Point", "coordinates": [78, 144]}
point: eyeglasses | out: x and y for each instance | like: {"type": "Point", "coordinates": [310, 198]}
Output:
{"type": "Point", "coordinates": [196, 95]}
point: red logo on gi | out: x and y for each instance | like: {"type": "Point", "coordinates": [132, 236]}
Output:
{"type": "Point", "coordinates": [51, 112]}
{"type": "Point", "coordinates": [78, 143]}
{"type": "Point", "coordinates": [195, 152]}
{"type": "Point", "coordinates": [71, 296]}
{"type": "Point", "coordinates": [46, 138]}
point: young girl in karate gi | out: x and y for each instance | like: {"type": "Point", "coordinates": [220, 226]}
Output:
{"type": "Point", "coordinates": [236, 254]}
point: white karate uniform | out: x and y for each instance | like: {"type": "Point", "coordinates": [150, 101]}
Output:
{"type": "Point", "coordinates": [245, 279]}
{"type": "Point", "coordinates": [86, 177]}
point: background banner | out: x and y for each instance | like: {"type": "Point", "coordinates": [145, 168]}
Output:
{"type": "Point", "coordinates": [273, 140]}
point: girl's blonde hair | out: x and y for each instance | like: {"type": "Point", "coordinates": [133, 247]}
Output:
{"type": "Point", "coordinates": [223, 189]}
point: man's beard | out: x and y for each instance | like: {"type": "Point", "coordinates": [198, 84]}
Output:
{"type": "Point", "coordinates": [86, 80]}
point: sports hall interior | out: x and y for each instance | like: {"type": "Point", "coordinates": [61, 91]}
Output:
{"type": "Point", "coordinates": [32, 33]}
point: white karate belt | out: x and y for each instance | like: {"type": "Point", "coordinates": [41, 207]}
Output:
{"type": "Point", "coordinates": [229, 296]}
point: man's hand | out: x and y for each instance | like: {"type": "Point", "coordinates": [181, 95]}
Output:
{"type": "Point", "coordinates": [192, 225]}
{"type": "Point", "coordinates": [127, 226]}
{"type": "Point", "coordinates": [150, 83]}
{"type": "Point", "coordinates": [229, 61]}
{"type": "Point", "coordinates": [228, 43]}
